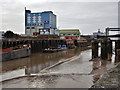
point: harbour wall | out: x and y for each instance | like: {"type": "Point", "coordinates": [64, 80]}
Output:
{"type": "Point", "coordinates": [38, 45]}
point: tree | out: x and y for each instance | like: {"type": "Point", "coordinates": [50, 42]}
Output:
{"type": "Point", "coordinates": [10, 34]}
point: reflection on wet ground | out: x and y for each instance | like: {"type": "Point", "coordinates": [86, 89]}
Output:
{"type": "Point", "coordinates": [76, 72]}
{"type": "Point", "coordinates": [35, 63]}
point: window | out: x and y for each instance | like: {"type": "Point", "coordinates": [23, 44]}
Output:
{"type": "Point", "coordinates": [61, 34]}
{"type": "Point", "coordinates": [39, 19]}
{"type": "Point", "coordinates": [28, 14]}
{"type": "Point", "coordinates": [28, 19]}
{"type": "Point", "coordinates": [33, 27]}
{"type": "Point", "coordinates": [28, 27]}
{"type": "Point", "coordinates": [34, 19]}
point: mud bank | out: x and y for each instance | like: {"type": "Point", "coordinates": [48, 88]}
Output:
{"type": "Point", "coordinates": [111, 79]}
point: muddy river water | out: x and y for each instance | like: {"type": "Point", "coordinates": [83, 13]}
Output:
{"type": "Point", "coordinates": [65, 69]}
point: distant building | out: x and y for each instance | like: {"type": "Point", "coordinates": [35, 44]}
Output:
{"type": "Point", "coordinates": [95, 34]}
{"type": "Point", "coordinates": [43, 23]}
{"type": "Point", "coordinates": [1, 34]}
{"type": "Point", "coordinates": [70, 34]}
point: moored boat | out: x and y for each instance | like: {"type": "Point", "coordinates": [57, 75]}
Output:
{"type": "Point", "coordinates": [51, 50]}
{"type": "Point", "coordinates": [16, 52]}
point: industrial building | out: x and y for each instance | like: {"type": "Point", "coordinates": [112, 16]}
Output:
{"type": "Point", "coordinates": [70, 34]}
{"type": "Point", "coordinates": [42, 23]}
{"type": "Point", "coordinates": [95, 34]}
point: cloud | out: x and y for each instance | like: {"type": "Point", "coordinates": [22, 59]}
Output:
{"type": "Point", "coordinates": [87, 16]}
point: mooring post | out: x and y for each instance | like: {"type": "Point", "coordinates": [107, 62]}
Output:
{"type": "Point", "coordinates": [7, 44]}
{"type": "Point", "coordinates": [43, 44]}
{"type": "Point", "coordinates": [53, 43]}
{"type": "Point", "coordinates": [118, 55]}
{"type": "Point", "coordinates": [104, 50]}
{"type": "Point", "coordinates": [109, 49]}
{"type": "Point", "coordinates": [56, 41]}
{"type": "Point", "coordinates": [11, 43]}
{"type": "Point", "coordinates": [3, 45]}
{"type": "Point", "coordinates": [32, 46]}
{"type": "Point", "coordinates": [117, 46]}
{"type": "Point", "coordinates": [40, 45]}
{"type": "Point", "coordinates": [36, 47]}
{"type": "Point", "coordinates": [65, 43]}
{"type": "Point", "coordinates": [117, 50]}
{"type": "Point", "coordinates": [94, 49]}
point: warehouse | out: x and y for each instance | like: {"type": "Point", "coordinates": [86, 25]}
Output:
{"type": "Point", "coordinates": [70, 34]}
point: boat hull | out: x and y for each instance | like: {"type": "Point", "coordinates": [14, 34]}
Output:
{"type": "Point", "coordinates": [14, 54]}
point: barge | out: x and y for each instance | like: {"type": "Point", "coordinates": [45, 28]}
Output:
{"type": "Point", "coordinates": [51, 50]}
{"type": "Point", "coordinates": [19, 51]}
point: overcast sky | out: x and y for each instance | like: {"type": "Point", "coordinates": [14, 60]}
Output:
{"type": "Point", "coordinates": [86, 16]}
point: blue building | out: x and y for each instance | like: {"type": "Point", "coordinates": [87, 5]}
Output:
{"type": "Point", "coordinates": [40, 22]}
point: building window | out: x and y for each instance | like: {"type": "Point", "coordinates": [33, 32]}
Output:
{"type": "Point", "coordinates": [28, 14]}
{"type": "Point", "coordinates": [40, 24]}
{"type": "Point", "coordinates": [34, 19]}
{"type": "Point", "coordinates": [39, 19]}
{"type": "Point", "coordinates": [33, 27]}
{"type": "Point", "coordinates": [28, 27]}
{"type": "Point", "coordinates": [28, 19]}
{"type": "Point", "coordinates": [61, 34]}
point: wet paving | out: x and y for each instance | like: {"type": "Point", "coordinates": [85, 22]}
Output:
{"type": "Point", "coordinates": [34, 64]}
{"type": "Point", "coordinates": [64, 69]}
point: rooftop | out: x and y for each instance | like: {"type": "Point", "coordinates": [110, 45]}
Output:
{"type": "Point", "coordinates": [73, 31]}
{"type": "Point", "coordinates": [29, 11]}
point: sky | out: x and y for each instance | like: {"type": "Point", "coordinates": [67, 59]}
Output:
{"type": "Point", "coordinates": [86, 16]}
